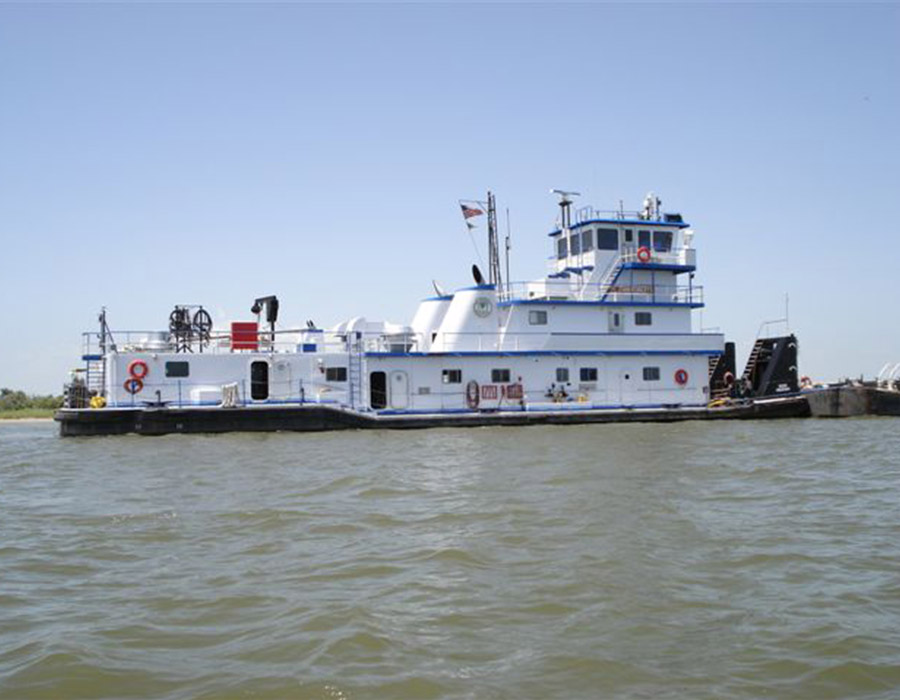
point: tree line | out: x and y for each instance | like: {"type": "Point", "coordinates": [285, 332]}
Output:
{"type": "Point", "coordinates": [11, 400]}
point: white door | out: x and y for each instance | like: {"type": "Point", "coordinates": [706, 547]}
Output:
{"type": "Point", "coordinates": [616, 322]}
{"type": "Point", "coordinates": [626, 387]}
{"type": "Point", "coordinates": [399, 389]}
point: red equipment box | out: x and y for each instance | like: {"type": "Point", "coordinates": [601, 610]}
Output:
{"type": "Point", "coordinates": [244, 335]}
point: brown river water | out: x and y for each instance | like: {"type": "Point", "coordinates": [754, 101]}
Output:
{"type": "Point", "coordinates": [699, 560]}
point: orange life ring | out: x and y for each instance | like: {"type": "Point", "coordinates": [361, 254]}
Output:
{"type": "Point", "coordinates": [729, 379]}
{"type": "Point", "coordinates": [138, 369]}
{"type": "Point", "coordinates": [473, 395]}
{"type": "Point", "coordinates": [643, 254]}
{"type": "Point", "coordinates": [133, 385]}
{"type": "Point", "coordinates": [681, 377]}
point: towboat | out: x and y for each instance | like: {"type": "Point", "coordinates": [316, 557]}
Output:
{"type": "Point", "coordinates": [605, 335]}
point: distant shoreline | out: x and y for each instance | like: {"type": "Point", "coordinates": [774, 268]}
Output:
{"type": "Point", "coordinates": [28, 415]}
{"type": "Point", "coordinates": [4, 419]}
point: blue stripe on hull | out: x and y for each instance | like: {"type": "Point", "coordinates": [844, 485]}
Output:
{"type": "Point", "coordinates": [548, 353]}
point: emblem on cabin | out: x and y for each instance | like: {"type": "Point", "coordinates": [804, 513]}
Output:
{"type": "Point", "coordinates": [483, 307]}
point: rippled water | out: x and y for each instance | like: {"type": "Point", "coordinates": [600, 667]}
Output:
{"type": "Point", "coordinates": [700, 560]}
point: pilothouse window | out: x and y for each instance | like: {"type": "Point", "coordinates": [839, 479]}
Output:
{"type": "Point", "coordinates": [662, 241]}
{"type": "Point", "coordinates": [644, 239]}
{"type": "Point", "coordinates": [587, 241]}
{"type": "Point", "coordinates": [562, 248]}
{"type": "Point", "coordinates": [607, 239]}
{"type": "Point", "coordinates": [575, 244]}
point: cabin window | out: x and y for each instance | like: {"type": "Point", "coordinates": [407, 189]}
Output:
{"type": "Point", "coordinates": [629, 235]}
{"type": "Point", "coordinates": [336, 374]}
{"type": "Point", "coordinates": [575, 243]}
{"type": "Point", "coordinates": [607, 239]}
{"type": "Point", "coordinates": [562, 374]}
{"type": "Point", "coordinates": [451, 376]}
{"type": "Point", "coordinates": [644, 239]}
{"type": "Point", "coordinates": [643, 318]}
{"type": "Point", "coordinates": [500, 376]}
{"type": "Point", "coordinates": [662, 241]}
{"type": "Point", "coordinates": [588, 374]}
{"type": "Point", "coordinates": [178, 369]}
{"type": "Point", "coordinates": [562, 247]}
{"type": "Point", "coordinates": [587, 241]}
{"type": "Point", "coordinates": [651, 374]}
{"type": "Point", "coordinates": [537, 318]}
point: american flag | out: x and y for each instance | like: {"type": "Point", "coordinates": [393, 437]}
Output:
{"type": "Point", "coordinates": [469, 212]}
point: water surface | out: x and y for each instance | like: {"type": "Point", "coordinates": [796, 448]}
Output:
{"type": "Point", "coordinates": [700, 560]}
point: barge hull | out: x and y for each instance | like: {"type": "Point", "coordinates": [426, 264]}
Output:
{"type": "Point", "coordinates": [83, 422]}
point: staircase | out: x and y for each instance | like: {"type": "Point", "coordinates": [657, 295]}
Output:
{"type": "Point", "coordinates": [758, 355]}
{"type": "Point", "coordinates": [610, 276]}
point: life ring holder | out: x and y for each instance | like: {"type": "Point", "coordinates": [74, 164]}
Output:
{"type": "Point", "coordinates": [133, 385]}
{"type": "Point", "coordinates": [473, 394]}
{"type": "Point", "coordinates": [138, 369]}
{"type": "Point", "coordinates": [644, 254]}
{"type": "Point", "coordinates": [728, 379]}
{"type": "Point", "coordinates": [681, 376]}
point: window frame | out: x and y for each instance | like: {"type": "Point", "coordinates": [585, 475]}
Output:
{"type": "Point", "coordinates": [497, 376]}
{"type": "Point", "coordinates": [537, 314]}
{"type": "Point", "coordinates": [335, 374]}
{"type": "Point", "coordinates": [451, 376]}
{"type": "Point", "coordinates": [170, 373]}
{"type": "Point", "coordinates": [663, 240]}
{"type": "Point", "coordinates": [587, 374]}
{"type": "Point", "coordinates": [651, 371]}
{"type": "Point", "coordinates": [608, 236]}
{"type": "Point", "coordinates": [575, 243]}
{"type": "Point", "coordinates": [587, 240]}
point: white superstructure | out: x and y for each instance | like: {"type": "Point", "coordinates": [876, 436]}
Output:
{"type": "Point", "coordinates": [608, 326]}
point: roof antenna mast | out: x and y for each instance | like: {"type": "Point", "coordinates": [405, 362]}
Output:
{"type": "Point", "coordinates": [565, 207]}
{"type": "Point", "coordinates": [494, 274]}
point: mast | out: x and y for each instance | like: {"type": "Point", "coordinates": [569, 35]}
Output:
{"type": "Point", "coordinates": [494, 275]}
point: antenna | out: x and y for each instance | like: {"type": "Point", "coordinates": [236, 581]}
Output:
{"type": "Point", "coordinates": [508, 246]}
{"type": "Point", "coordinates": [494, 275]}
{"type": "Point", "coordinates": [565, 206]}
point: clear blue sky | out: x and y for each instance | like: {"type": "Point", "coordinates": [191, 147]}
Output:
{"type": "Point", "coordinates": [155, 154]}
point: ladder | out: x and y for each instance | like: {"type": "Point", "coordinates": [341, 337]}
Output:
{"type": "Point", "coordinates": [95, 374]}
{"type": "Point", "coordinates": [720, 390]}
{"type": "Point", "coordinates": [355, 371]}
